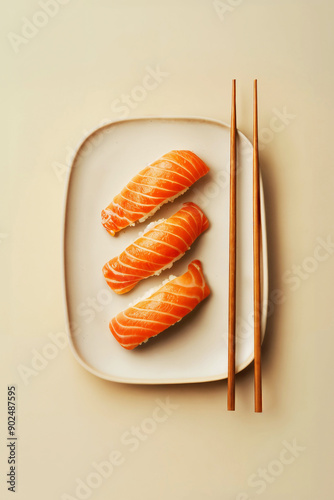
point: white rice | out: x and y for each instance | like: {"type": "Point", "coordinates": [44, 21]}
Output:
{"type": "Point", "coordinates": [168, 266]}
{"type": "Point", "coordinates": [147, 294]}
{"type": "Point", "coordinates": [150, 226]}
{"type": "Point", "coordinates": [151, 291]}
{"type": "Point", "coordinates": [143, 219]}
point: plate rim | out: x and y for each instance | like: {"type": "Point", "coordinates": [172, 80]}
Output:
{"type": "Point", "coordinates": [265, 280]}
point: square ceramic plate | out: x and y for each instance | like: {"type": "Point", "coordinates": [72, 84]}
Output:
{"type": "Point", "coordinates": [194, 350]}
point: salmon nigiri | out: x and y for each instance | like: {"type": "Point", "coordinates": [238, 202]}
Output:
{"type": "Point", "coordinates": [160, 182]}
{"type": "Point", "coordinates": [168, 305]}
{"type": "Point", "coordinates": [156, 250]}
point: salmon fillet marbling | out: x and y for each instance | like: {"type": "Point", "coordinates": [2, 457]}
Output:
{"type": "Point", "coordinates": [157, 249]}
{"type": "Point", "coordinates": [165, 307]}
{"type": "Point", "coordinates": [160, 182]}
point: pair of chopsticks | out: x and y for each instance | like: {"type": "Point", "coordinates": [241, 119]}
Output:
{"type": "Point", "coordinates": [232, 259]}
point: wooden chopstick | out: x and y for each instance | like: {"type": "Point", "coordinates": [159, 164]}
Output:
{"type": "Point", "coordinates": [232, 259]}
{"type": "Point", "coordinates": [256, 250]}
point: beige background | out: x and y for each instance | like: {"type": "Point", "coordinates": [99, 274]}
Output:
{"type": "Point", "coordinates": [62, 82]}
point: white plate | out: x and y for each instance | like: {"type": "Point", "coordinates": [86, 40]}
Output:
{"type": "Point", "coordinates": [194, 350]}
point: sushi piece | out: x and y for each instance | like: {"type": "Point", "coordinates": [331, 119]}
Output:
{"type": "Point", "coordinates": [156, 250]}
{"type": "Point", "coordinates": [168, 305]}
{"type": "Point", "coordinates": [160, 182]}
